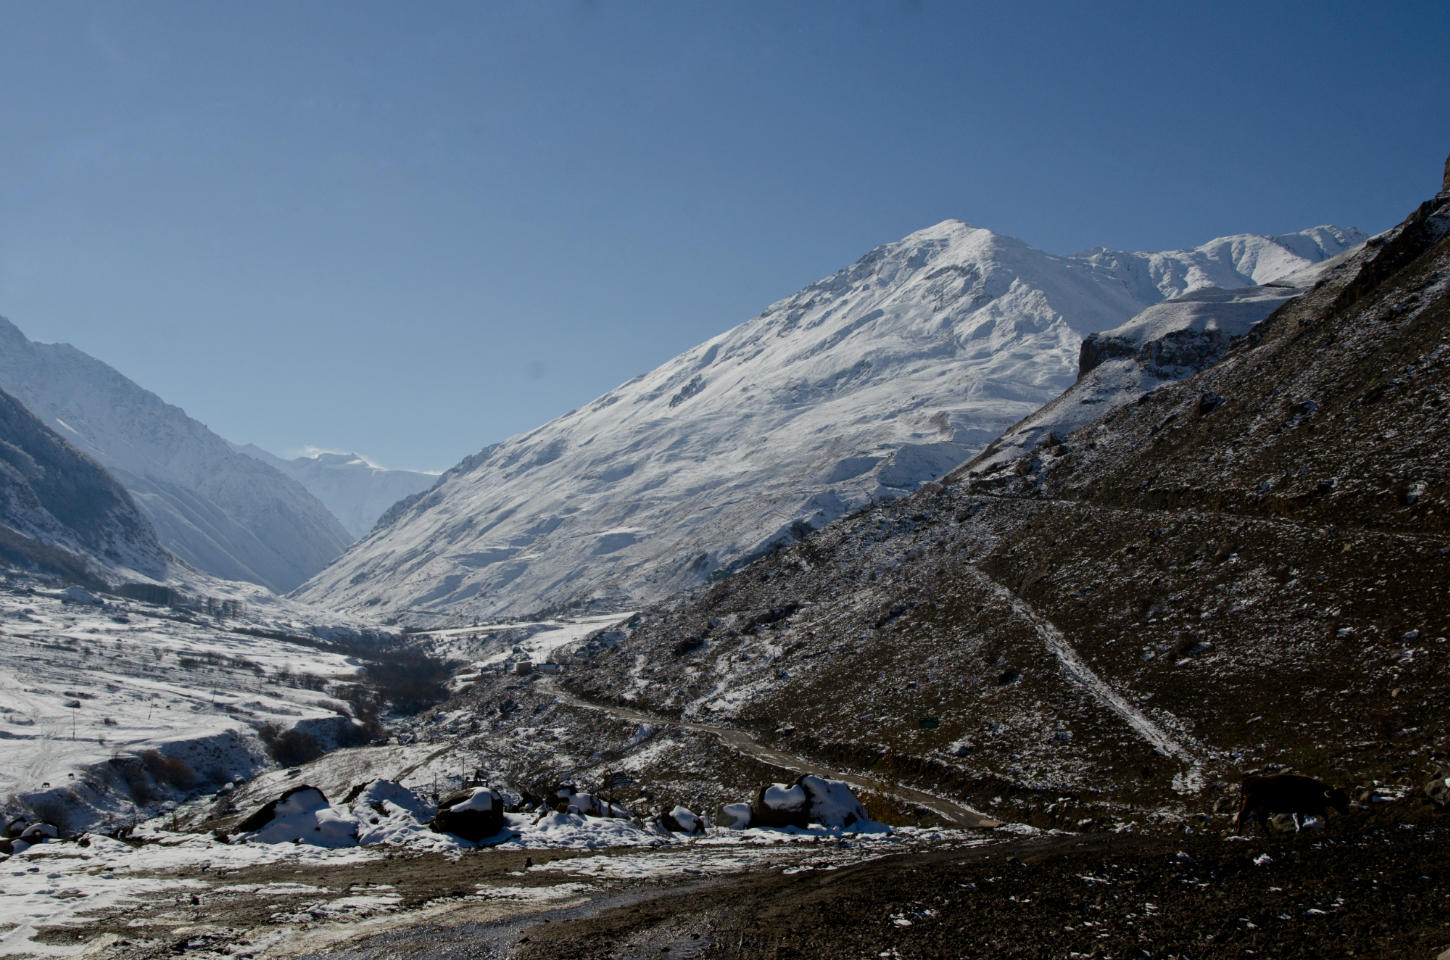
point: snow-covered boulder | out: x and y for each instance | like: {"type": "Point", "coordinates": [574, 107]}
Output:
{"type": "Point", "coordinates": [301, 815]}
{"type": "Point", "coordinates": [474, 814]}
{"type": "Point", "coordinates": [79, 595]}
{"type": "Point", "coordinates": [734, 816]}
{"type": "Point", "coordinates": [682, 820]}
{"type": "Point", "coordinates": [565, 798]}
{"type": "Point", "coordinates": [809, 800]}
{"type": "Point", "coordinates": [387, 812]}
{"type": "Point", "coordinates": [39, 832]}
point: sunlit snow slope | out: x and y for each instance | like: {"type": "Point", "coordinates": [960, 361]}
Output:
{"type": "Point", "coordinates": [221, 511]}
{"type": "Point", "coordinates": [863, 385]}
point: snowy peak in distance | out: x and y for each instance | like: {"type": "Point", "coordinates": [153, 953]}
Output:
{"type": "Point", "coordinates": [862, 386]}
{"type": "Point", "coordinates": [353, 488]}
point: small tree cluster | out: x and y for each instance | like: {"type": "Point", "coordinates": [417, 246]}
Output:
{"type": "Point", "coordinates": [410, 681]}
{"type": "Point", "coordinates": [289, 748]}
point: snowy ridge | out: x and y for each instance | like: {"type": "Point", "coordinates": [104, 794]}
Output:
{"type": "Point", "coordinates": [863, 385]}
{"type": "Point", "coordinates": [356, 491]}
{"type": "Point", "coordinates": [1168, 341]}
{"type": "Point", "coordinates": [225, 513]}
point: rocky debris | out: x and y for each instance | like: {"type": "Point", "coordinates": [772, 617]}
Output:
{"type": "Point", "coordinates": [566, 798]}
{"type": "Point", "coordinates": [1378, 893]}
{"type": "Point", "coordinates": [474, 814]}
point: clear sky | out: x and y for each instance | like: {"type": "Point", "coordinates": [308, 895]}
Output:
{"type": "Point", "coordinates": [413, 229]}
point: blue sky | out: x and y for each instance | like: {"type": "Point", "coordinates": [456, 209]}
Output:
{"type": "Point", "coordinates": [411, 230]}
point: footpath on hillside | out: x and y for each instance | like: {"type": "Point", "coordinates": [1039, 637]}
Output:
{"type": "Point", "coordinates": [952, 811]}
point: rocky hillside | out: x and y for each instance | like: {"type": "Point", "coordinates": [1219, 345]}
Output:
{"type": "Point", "coordinates": [860, 387]}
{"type": "Point", "coordinates": [1242, 570]}
{"type": "Point", "coordinates": [221, 511]}
{"type": "Point", "coordinates": [60, 512]}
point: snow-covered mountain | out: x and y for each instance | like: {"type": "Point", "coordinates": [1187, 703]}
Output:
{"type": "Point", "coordinates": [355, 491]}
{"type": "Point", "coordinates": [60, 512]}
{"type": "Point", "coordinates": [863, 385]}
{"type": "Point", "coordinates": [221, 511]}
{"type": "Point", "coordinates": [1168, 341]}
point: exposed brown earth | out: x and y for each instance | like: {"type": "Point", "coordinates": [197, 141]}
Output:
{"type": "Point", "coordinates": [1379, 893]}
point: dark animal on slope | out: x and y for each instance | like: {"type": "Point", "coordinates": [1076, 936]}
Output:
{"type": "Point", "coordinates": [1287, 793]}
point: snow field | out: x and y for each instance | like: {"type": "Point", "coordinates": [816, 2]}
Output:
{"type": "Point", "coordinates": [84, 684]}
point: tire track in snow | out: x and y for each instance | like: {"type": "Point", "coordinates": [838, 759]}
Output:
{"type": "Point", "coordinates": [1078, 671]}
{"type": "Point", "coordinates": [957, 814]}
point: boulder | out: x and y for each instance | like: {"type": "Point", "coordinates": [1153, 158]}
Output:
{"type": "Point", "coordinates": [474, 814]}
{"type": "Point", "coordinates": [780, 805]}
{"type": "Point", "coordinates": [809, 800]}
{"type": "Point", "coordinates": [386, 798]}
{"type": "Point", "coordinates": [387, 812]}
{"type": "Point", "coordinates": [734, 816]}
{"type": "Point", "coordinates": [565, 798]}
{"type": "Point", "coordinates": [301, 815]}
{"type": "Point", "coordinates": [682, 820]}
{"type": "Point", "coordinates": [39, 832]}
{"type": "Point", "coordinates": [1438, 790]}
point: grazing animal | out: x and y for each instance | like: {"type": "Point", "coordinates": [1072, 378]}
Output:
{"type": "Point", "coordinates": [1287, 793]}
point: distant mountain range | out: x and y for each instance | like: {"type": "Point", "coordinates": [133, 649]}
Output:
{"type": "Point", "coordinates": [223, 512]}
{"type": "Point", "coordinates": [860, 387]}
{"type": "Point", "coordinates": [355, 491]}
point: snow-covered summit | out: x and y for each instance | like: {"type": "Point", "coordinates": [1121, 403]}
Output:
{"type": "Point", "coordinates": [863, 385]}
{"type": "Point", "coordinates": [356, 490]}
{"type": "Point", "coordinates": [222, 512]}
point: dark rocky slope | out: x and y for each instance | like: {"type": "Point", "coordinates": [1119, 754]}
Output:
{"type": "Point", "coordinates": [60, 512]}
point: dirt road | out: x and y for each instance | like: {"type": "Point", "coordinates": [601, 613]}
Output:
{"type": "Point", "coordinates": [955, 813]}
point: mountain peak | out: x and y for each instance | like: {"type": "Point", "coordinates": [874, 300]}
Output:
{"type": "Point", "coordinates": [860, 387]}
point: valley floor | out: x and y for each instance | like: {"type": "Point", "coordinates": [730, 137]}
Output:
{"type": "Point", "coordinates": [1364, 887]}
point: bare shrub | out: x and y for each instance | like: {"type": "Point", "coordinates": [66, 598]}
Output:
{"type": "Point", "coordinates": [410, 680]}
{"type": "Point", "coordinates": [289, 748]}
{"type": "Point", "coordinates": [172, 771]}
